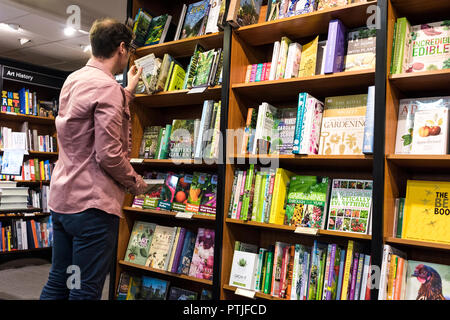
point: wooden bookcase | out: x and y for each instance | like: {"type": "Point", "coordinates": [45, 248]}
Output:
{"type": "Point", "coordinates": [400, 168]}
{"type": "Point", "coordinates": [47, 84]}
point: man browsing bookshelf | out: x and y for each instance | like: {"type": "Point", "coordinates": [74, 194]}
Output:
{"type": "Point", "coordinates": [93, 171]}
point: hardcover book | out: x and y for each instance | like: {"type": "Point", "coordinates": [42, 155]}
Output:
{"type": "Point", "coordinates": [430, 131]}
{"type": "Point", "coordinates": [307, 201]}
{"type": "Point", "coordinates": [203, 257]}
{"type": "Point", "coordinates": [182, 192]}
{"type": "Point", "coordinates": [168, 192]}
{"type": "Point", "coordinates": [141, 27]}
{"type": "Point", "coordinates": [427, 281]}
{"type": "Point", "coordinates": [350, 205]}
{"type": "Point", "coordinates": [209, 196]}
{"type": "Point", "coordinates": [285, 125]}
{"type": "Point", "coordinates": [426, 211]}
{"type": "Point", "coordinates": [361, 49]}
{"type": "Point", "coordinates": [139, 243]}
{"type": "Point", "coordinates": [194, 20]}
{"type": "Point", "coordinates": [158, 29]}
{"type": "Point", "coordinates": [335, 49]}
{"type": "Point", "coordinates": [181, 139]}
{"type": "Point", "coordinates": [343, 125]}
{"type": "Point", "coordinates": [309, 57]}
{"type": "Point", "coordinates": [204, 67]}
{"type": "Point", "coordinates": [153, 195]}
{"type": "Point", "coordinates": [243, 12]}
{"type": "Point", "coordinates": [160, 248]}
{"type": "Point", "coordinates": [150, 71]}
{"type": "Point", "coordinates": [195, 192]}
{"type": "Point", "coordinates": [154, 289]}
{"type": "Point", "coordinates": [243, 270]}
{"type": "Point", "coordinates": [187, 252]}
{"type": "Point", "coordinates": [182, 294]}
{"type": "Point", "coordinates": [326, 4]}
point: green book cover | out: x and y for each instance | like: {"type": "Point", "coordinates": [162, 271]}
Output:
{"type": "Point", "coordinates": [307, 201]}
{"type": "Point", "coordinates": [247, 187]}
{"type": "Point", "coordinates": [177, 78]}
{"type": "Point", "coordinates": [139, 242]}
{"type": "Point", "coordinates": [258, 180]}
{"type": "Point", "coordinates": [269, 269]}
{"type": "Point", "coordinates": [263, 272]}
{"type": "Point", "coordinates": [164, 72]}
{"type": "Point", "coordinates": [205, 62]}
{"type": "Point", "coordinates": [192, 68]}
{"type": "Point", "coordinates": [169, 76]}
{"type": "Point", "coordinates": [401, 210]}
{"type": "Point", "coordinates": [156, 29]}
{"type": "Point", "coordinates": [165, 142]}
{"type": "Point", "coordinates": [149, 142]}
{"type": "Point", "coordinates": [158, 146]}
{"type": "Point", "coordinates": [393, 58]}
{"type": "Point", "coordinates": [195, 192]}
{"type": "Point", "coordinates": [141, 27]}
{"type": "Point", "coordinates": [153, 195]}
{"type": "Point", "coordinates": [213, 151]}
{"type": "Point", "coordinates": [181, 139]}
{"type": "Point", "coordinates": [322, 262]}
{"type": "Point", "coordinates": [168, 192]}
{"type": "Point", "coordinates": [262, 192]}
{"type": "Point", "coordinates": [402, 43]}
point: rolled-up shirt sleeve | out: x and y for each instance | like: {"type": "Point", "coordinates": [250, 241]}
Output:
{"type": "Point", "coordinates": [108, 117]}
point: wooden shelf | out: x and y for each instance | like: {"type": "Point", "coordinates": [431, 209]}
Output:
{"type": "Point", "coordinates": [18, 210]}
{"type": "Point", "coordinates": [181, 163]}
{"type": "Point", "coordinates": [278, 227]}
{"type": "Point", "coordinates": [184, 47]}
{"type": "Point", "coordinates": [22, 117]}
{"type": "Point", "coordinates": [21, 215]}
{"type": "Point", "coordinates": [350, 82]}
{"type": "Point", "coordinates": [166, 273]}
{"type": "Point", "coordinates": [42, 154]}
{"type": "Point", "coordinates": [24, 251]}
{"type": "Point", "coordinates": [178, 98]}
{"type": "Point", "coordinates": [418, 11]}
{"type": "Point", "coordinates": [420, 244]}
{"type": "Point", "coordinates": [358, 161]}
{"type": "Point", "coordinates": [33, 182]}
{"type": "Point", "coordinates": [168, 213]}
{"type": "Point", "coordinates": [435, 82]}
{"type": "Point", "coordinates": [257, 294]}
{"type": "Point", "coordinates": [305, 25]}
{"type": "Point", "coordinates": [420, 162]}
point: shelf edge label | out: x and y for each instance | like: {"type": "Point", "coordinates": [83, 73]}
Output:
{"type": "Point", "coordinates": [245, 293]}
{"type": "Point", "coordinates": [303, 230]}
{"type": "Point", "coordinates": [184, 215]}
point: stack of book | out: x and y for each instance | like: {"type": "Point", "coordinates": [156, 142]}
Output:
{"type": "Point", "coordinates": [280, 197]}
{"type": "Point", "coordinates": [140, 287]}
{"type": "Point", "coordinates": [180, 192]}
{"type": "Point", "coordinates": [168, 74]}
{"type": "Point", "coordinates": [403, 279]}
{"type": "Point", "coordinates": [13, 197]}
{"type": "Point", "coordinates": [26, 102]}
{"type": "Point", "coordinates": [297, 272]}
{"type": "Point", "coordinates": [20, 234]}
{"type": "Point", "coordinates": [173, 249]}
{"type": "Point", "coordinates": [422, 47]}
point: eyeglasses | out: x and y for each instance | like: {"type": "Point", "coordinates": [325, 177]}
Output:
{"type": "Point", "coordinates": [131, 48]}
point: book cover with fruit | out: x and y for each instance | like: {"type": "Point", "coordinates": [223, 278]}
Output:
{"type": "Point", "coordinates": [430, 131]}
{"type": "Point", "coordinates": [181, 139]}
{"type": "Point", "coordinates": [361, 48]}
{"type": "Point", "coordinates": [139, 243]}
{"type": "Point", "coordinates": [182, 192]}
{"type": "Point", "coordinates": [168, 192]}
{"type": "Point", "coordinates": [426, 215]}
{"type": "Point", "coordinates": [343, 124]}
{"type": "Point", "coordinates": [160, 248]}
{"type": "Point", "coordinates": [430, 47]}
{"type": "Point", "coordinates": [203, 257]}
{"type": "Point", "coordinates": [209, 196]}
{"type": "Point", "coordinates": [153, 195]}
{"type": "Point", "coordinates": [307, 201]}
{"type": "Point", "coordinates": [350, 205]}
{"type": "Point", "coordinates": [195, 192]}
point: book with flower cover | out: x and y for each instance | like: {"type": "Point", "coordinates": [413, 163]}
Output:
{"type": "Point", "coordinates": [350, 205]}
{"type": "Point", "coordinates": [203, 257]}
{"type": "Point", "coordinates": [139, 243]}
{"type": "Point", "coordinates": [209, 196]}
{"type": "Point", "coordinates": [326, 4]}
{"type": "Point", "coordinates": [307, 201]}
{"type": "Point", "coordinates": [161, 246]}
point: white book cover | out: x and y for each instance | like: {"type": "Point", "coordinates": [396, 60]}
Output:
{"type": "Point", "coordinates": [293, 60]}
{"type": "Point", "coordinates": [150, 71]}
{"type": "Point", "coordinates": [243, 270]}
{"type": "Point", "coordinates": [282, 58]}
{"type": "Point", "coordinates": [430, 131]}
{"type": "Point", "coordinates": [405, 126]}
{"type": "Point", "coordinates": [213, 16]}
{"type": "Point", "coordinates": [265, 125]}
{"type": "Point", "coordinates": [275, 53]}
{"type": "Point", "coordinates": [237, 194]}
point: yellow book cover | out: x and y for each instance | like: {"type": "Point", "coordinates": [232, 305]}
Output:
{"type": "Point", "coordinates": [348, 264]}
{"type": "Point", "coordinates": [309, 58]}
{"type": "Point", "coordinates": [427, 212]}
{"type": "Point", "coordinates": [41, 167]}
{"type": "Point", "coordinates": [277, 210]}
{"type": "Point", "coordinates": [391, 277]}
{"type": "Point", "coordinates": [177, 79]}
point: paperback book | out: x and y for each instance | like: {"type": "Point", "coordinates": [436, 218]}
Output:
{"type": "Point", "coordinates": [195, 19]}
{"type": "Point", "coordinates": [203, 257]}
{"type": "Point", "coordinates": [139, 243]}
{"type": "Point", "coordinates": [153, 288]}
{"type": "Point", "coordinates": [361, 49]}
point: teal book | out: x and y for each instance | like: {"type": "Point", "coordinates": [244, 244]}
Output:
{"type": "Point", "coordinates": [165, 142]}
{"type": "Point", "coordinates": [302, 99]}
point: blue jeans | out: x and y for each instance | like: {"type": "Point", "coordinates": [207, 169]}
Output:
{"type": "Point", "coordinates": [83, 248]}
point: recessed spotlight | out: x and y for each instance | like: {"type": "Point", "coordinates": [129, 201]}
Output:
{"type": "Point", "coordinates": [86, 48]}
{"type": "Point", "coordinates": [69, 31]}
{"type": "Point", "coordinates": [13, 26]}
{"type": "Point", "coordinates": [24, 41]}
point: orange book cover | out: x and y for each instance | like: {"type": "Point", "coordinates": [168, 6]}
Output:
{"type": "Point", "coordinates": [398, 278]}
{"type": "Point", "coordinates": [33, 228]}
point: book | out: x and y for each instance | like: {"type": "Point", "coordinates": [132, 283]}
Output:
{"type": "Point", "coordinates": [176, 79]}
{"type": "Point", "coordinates": [153, 288]}
{"type": "Point", "coordinates": [150, 71]}
{"type": "Point", "coordinates": [293, 60]}
{"type": "Point", "coordinates": [213, 16]}
{"type": "Point", "coordinates": [315, 271]}
{"type": "Point", "coordinates": [277, 268]}
{"type": "Point", "coordinates": [153, 195]}
{"type": "Point", "coordinates": [180, 22]}
{"type": "Point", "coordinates": [284, 123]}
{"type": "Point", "coordinates": [426, 211]}
{"type": "Point", "coordinates": [203, 257]}
{"type": "Point", "coordinates": [194, 20]}
{"type": "Point", "coordinates": [164, 72]}
{"type": "Point", "coordinates": [430, 131]}
{"type": "Point", "coordinates": [280, 189]}
{"type": "Point", "coordinates": [209, 196]}
{"type": "Point", "coordinates": [350, 205]}
{"type": "Point", "coordinates": [361, 48]}
{"type": "Point", "coordinates": [403, 46]}
{"type": "Point", "coordinates": [243, 12]}
{"type": "Point", "coordinates": [176, 293]}
{"type": "Point", "coordinates": [325, 4]}
{"type": "Point", "coordinates": [141, 27]}
{"type": "Point", "coordinates": [181, 141]}
{"type": "Point", "coordinates": [343, 125]}
{"type": "Point", "coordinates": [192, 67]}
{"type": "Point", "coordinates": [204, 67]}
{"type": "Point", "coordinates": [123, 286]}
{"type": "Point", "coordinates": [139, 244]}
{"type": "Point", "coordinates": [195, 192]}
{"type": "Point", "coordinates": [335, 49]}
{"type": "Point", "coordinates": [264, 129]}
{"type": "Point", "coordinates": [297, 7]}
{"type": "Point", "coordinates": [429, 47]}
{"type": "Point", "coordinates": [149, 142]}
{"type": "Point", "coordinates": [168, 192]}
{"type": "Point", "coordinates": [243, 270]}
{"type": "Point", "coordinates": [134, 288]}
{"type": "Point", "coordinates": [308, 125]}
{"type": "Point", "coordinates": [307, 66]}
{"type": "Point", "coordinates": [182, 192]}
{"type": "Point", "coordinates": [307, 201]}
{"type": "Point", "coordinates": [320, 61]}
{"type": "Point", "coordinates": [427, 281]}
{"type": "Point", "coordinates": [187, 252]}
{"type": "Point", "coordinates": [274, 62]}
{"type": "Point", "coordinates": [282, 58]}
{"type": "Point", "coordinates": [159, 252]}
{"type": "Point", "coordinates": [158, 29]}
{"type": "Point", "coordinates": [370, 122]}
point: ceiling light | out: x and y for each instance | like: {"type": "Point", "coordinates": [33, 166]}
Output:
{"type": "Point", "coordinates": [86, 48]}
{"type": "Point", "coordinates": [13, 26]}
{"type": "Point", "coordinates": [69, 31]}
{"type": "Point", "coordinates": [24, 41]}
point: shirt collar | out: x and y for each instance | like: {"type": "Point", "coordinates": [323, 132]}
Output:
{"type": "Point", "coordinates": [97, 64]}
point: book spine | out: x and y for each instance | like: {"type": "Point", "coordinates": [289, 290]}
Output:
{"type": "Point", "coordinates": [282, 58]}
{"type": "Point", "coordinates": [348, 263]}
{"type": "Point", "coordinates": [365, 277]}
{"type": "Point", "coordinates": [233, 191]}
{"type": "Point", "coordinates": [263, 272]}
{"type": "Point", "coordinates": [253, 73]}
{"type": "Point", "coordinates": [370, 119]}
{"type": "Point", "coordinates": [263, 72]}
{"type": "Point", "coordinates": [176, 259]}
{"type": "Point", "coordinates": [236, 195]}
{"type": "Point", "coordinates": [248, 186]}
{"type": "Point", "coordinates": [269, 270]}
{"type": "Point", "coordinates": [256, 196]}
{"type": "Point", "coordinates": [308, 114]}
{"type": "Point", "coordinates": [354, 275]}
{"type": "Point", "coordinates": [269, 198]}
{"type": "Point", "coordinates": [284, 272]}
{"type": "Point", "coordinates": [259, 68]}
{"type": "Point", "coordinates": [330, 49]}
{"type": "Point", "coordinates": [268, 70]}
{"type": "Point", "coordinates": [394, 44]}
{"type": "Point", "coordinates": [401, 44]}
{"type": "Point", "coordinates": [401, 211]}
{"type": "Point", "coordinates": [248, 73]}
{"type": "Point", "coordinates": [241, 195]}
{"type": "Point", "coordinates": [259, 269]}
{"type": "Point", "coordinates": [330, 271]}
{"type": "Point", "coordinates": [299, 122]}
{"type": "Point", "coordinates": [274, 63]}
{"type": "Point", "coordinates": [359, 277]}
{"type": "Point", "coordinates": [204, 125]}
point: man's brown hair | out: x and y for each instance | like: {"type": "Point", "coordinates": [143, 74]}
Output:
{"type": "Point", "coordinates": [106, 35]}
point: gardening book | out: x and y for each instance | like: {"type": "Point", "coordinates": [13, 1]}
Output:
{"type": "Point", "coordinates": [335, 50]}
{"type": "Point", "coordinates": [430, 47]}
{"type": "Point", "coordinates": [427, 281]}
{"type": "Point", "coordinates": [182, 192]}
{"type": "Point", "coordinates": [161, 246]}
{"type": "Point", "coordinates": [181, 139]}
{"type": "Point", "coordinates": [195, 19]}
{"type": "Point", "coordinates": [426, 211]}
{"type": "Point", "coordinates": [209, 196]}
{"type": "Point", "coordinates": [350, 205]}
{"type": "Point", "coordinates": [149, 142]}
{"type": "Point", "coordinates": [158, 29]}
{"type": "Point", "coordinates": [203, 257]}
{"type": "Point", "coordinates": [309, 57]}
{"type": "Point", "coordinates": [284, 123]}
{"type": "Point", "coordinates": [168, 192]}
{"type": "Point", "coordinates": [176, 293]}
{"type": "Point", "coordinates": [150, 71]}
{"type": "Point", "coordinates": [141, 27]}
{"type": "Point", "coordinates": [343, 125]}
{"type": "Point", "coordinates": [264, 132]}
{"type": "Point", "coordinates": [290, 8]}
{"type": "Point", "coordinates": [164, 72]}
{"type": "Point", "coordinates": [293, 60]}
{"type": "Point", "coordinates": [280, 189]}
{"type": "Point", "coordinates": [277, 268]}
{"type": "Point", "coordinates": [139, 243]}
{"type": "Point", "coordinates": [204, 67]}
{"type": "Point", "coordinates": [361, 48]}
{"type": "Point", "coordinates": [177, 77]}
{"type": "Point", "coordinates": [153, 195]}
{"type": "Point", "coordinates": [243, 12]}
{"type": "Point", "coordinates": [154, 289]}
{"type": "Point", "coordinates": [243, 270]}
{"type": "Point", "coordinates": [307, 137]}
{"type": "Point", "coordinates": [186, 252]}
{"type": "Point", "coordinates": [325, 4]}
{"type": "Point", "coordinates": [282, 58]}
{"type": "Point", "coordinates": [213, 16]}
{"type": "Point", "coordinates": [307, 201]}
{"type": "Point", "coordinates": [196, 192]}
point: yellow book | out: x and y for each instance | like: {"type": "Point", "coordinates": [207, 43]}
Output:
{"type": "Point", "coordinates": [277, 209]}
{"type": "Point", "coordinates": [8, 235]}
{"type": "Point", "coordinates": [309, 58]}
{"type": "Point", "coordinates": [41, 167]}
{"type": "Point", "coordinates": [427, 211]}
{"type": "Point", "coordinates": [352, 247]}
{"type": "Point", "coordinates": [391, 277]}
{"type": "Point", "coordinates": [177, 79]}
